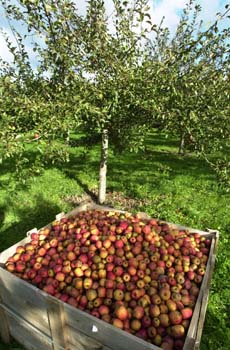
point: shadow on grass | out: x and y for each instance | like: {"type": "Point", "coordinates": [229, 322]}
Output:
{"type": "Point", "coordinates": [127, 169]}
{"type": "Point", "coordinates": [159, 140]}
{"type": "Point", "coordinates": [133, 169]}
{"type": "Point", "coordinates": [86, 189]}
{"type": "Point", "coordinates": [9, 164]}
{"type": "Point", "coordinates": [41, 213]}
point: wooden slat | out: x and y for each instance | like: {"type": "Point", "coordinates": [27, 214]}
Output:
{"type": "Point", "coordinates": [77, 340]}
{"type": "Point", "coordinates": [57, 322]}
{"type": "Point", "coordinates": [28, 336]}
{"type": "Point", "coordinates": [201, 304]}
{"type": "Point", "coordinates": [107, 334]}
{"type": "Point", "coordinates": [193, 324]}
{"type": "Point", "coordinates": [189, 344]}
{"type": "Point", "coordinates": [205, 299]}
{"type": "Point", "coordinates": [25, 299]}
{"type": "Point", "coordinates": [4, 327]}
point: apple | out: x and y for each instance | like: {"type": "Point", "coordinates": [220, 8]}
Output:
{"type": "Point", "coordinates": [117, 323]}
{"type": "Point", "coordinates": [135, 324]}
{"type": "Point", "coordinates": [177, 331]}
{"type": "Point", "coordinates": [138, 312]}
{"type": "Point", "coordinates": [121, 312]}
{"type": "Point", "coordinates": [141, 275]}
{"type": "Point", "coordinates": [175, 317]}
{"type": "Point", "coordinates": [186, 313]}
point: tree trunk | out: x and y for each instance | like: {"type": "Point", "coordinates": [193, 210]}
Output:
{"type": "Point", "coordinates": [182, 143]}
{"type": "Point", "coordinates": [67, 140]}
{"type": "Point", "coordinates": [103, 166]}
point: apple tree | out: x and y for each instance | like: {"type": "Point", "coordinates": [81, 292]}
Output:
{"type": "Point", "coordinates": [39, 98]}
{"type": "Point", "coordinates": [194, 84]}
{"type": "Point", "coordinates": [114, 62]}
{"type": "Point", "coordinates": [86, 75]}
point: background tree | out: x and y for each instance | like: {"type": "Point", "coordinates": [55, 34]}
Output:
{"type": "Point", "coordinates": [193, 90]}
{"type": "Point", "coordinates": [95, 74]}
{"type": "Point", "coordinates": [39, 97]}
{"type": "Point", "coordinates": [88, 65]}
{"type": "Point", "coordinates": [113, 60]}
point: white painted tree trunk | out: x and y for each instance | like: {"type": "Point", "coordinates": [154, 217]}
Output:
{"type": "Point", "coordinates": [182, 143]}
{"type": "Point", "coordinates": [103, 166]}
{"type": "Point", "coordinates": [67, 140]}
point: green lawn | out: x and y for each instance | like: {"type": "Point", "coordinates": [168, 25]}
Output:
{"type": "Point", "coordinates": [158, 181]}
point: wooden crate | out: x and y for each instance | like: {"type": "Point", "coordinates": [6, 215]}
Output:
{"type": "Point", "coordinates": [39, 321]}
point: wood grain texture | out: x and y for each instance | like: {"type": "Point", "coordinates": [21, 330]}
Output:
{"type": "Point", "coordinates": [4, 325]}
{"type": "Point", "coordinates": [197, 321]}
{"type": "Point", "coordinates": [106, 334]}
{"type": "Point", "coordinates": [204, 304]}
{"type": "Point", "coordinates": [57, 324]}
{"type": "Point", "coordinates": [78, 340]}
{"type": "Point", "coordinates": [28, 336]}
{"type": "Point", "coordinates": [25, 299]}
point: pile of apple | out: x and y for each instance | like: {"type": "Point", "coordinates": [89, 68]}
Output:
{"type": "Point", "coordinates": [142, 276]}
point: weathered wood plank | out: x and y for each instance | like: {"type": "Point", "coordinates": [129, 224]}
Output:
{"type": "Point", "coordinates": [25, 299]}
{"type": "Point", "coordinates": [189, 344]}
{"type": "Point", "coordinates": [28, 336]}
{"type": "Point", "coordinates": [195, 328]}
{"type": "Point", "coordinates": [106, 334]}
{"type": "Point", "coordinates": [4, 326]}
{"type": "Point", "coordinates": [78, 340]}
{"type": "Point", "coordinates": [56, 317]}
{"type": "Point", "coordinates": [204, 304]}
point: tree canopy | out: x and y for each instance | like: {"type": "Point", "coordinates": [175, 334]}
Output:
{"type": "Point", "coordinates": [112, 76]}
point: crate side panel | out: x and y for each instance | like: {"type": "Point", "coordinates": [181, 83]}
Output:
{"type": "Point", "coordinates": [204, 303]}
{"type": "Point", "coordinates": [26, 300]}
{"type": "Point", "coordinates": [78, 340]}
{"type": "Point", "coordinates": [201, 303]}
{"type": "Point", "coordinates": [103, 332]}
{"type": "Point", "coordinates": [4, 327]}
{"type": "Point", "coordinates": [26, 335]}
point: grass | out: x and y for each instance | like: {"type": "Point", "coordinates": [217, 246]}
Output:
{"type": "Point", "coordinates": [158, 181]}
